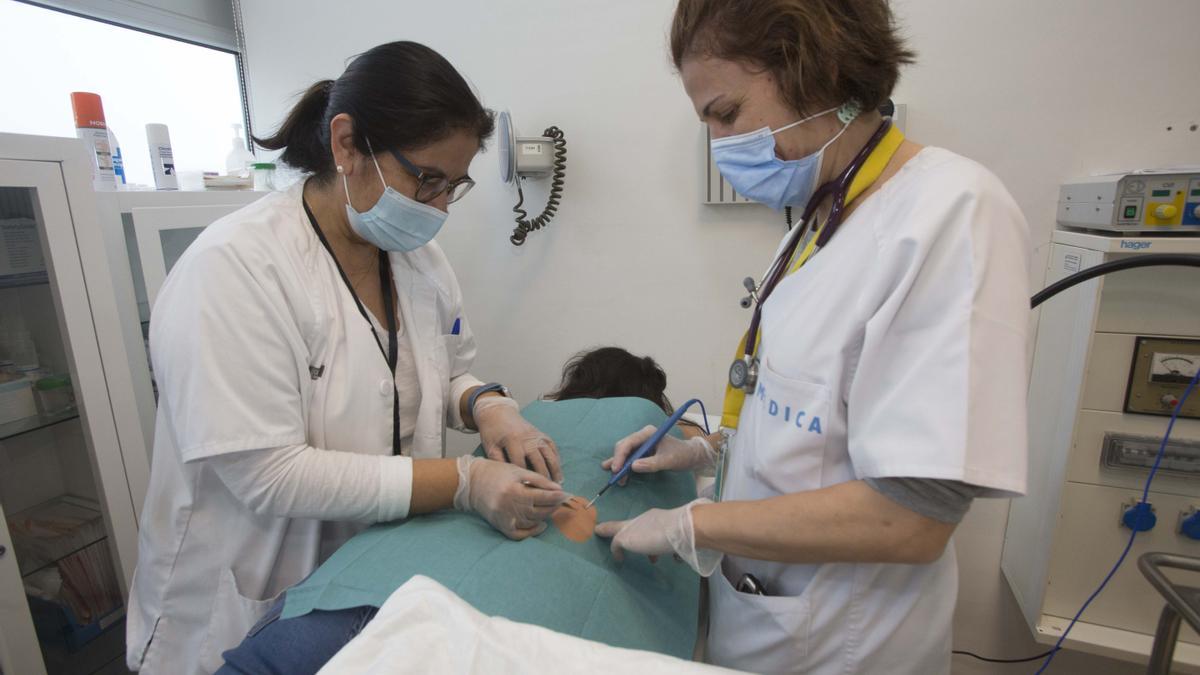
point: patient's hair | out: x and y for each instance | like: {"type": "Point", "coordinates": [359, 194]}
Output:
{"type": "Point", "coordinates": [611, 371]}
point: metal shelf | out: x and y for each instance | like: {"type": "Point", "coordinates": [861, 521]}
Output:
{"type": "Point", "coordinates": [64, 556]}
{"type": "Point", "coordinates": [24, 426]}
{"type": "Point", "coordinates": [19, 280]}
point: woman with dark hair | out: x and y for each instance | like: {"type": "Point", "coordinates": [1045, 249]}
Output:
{"type": "Point", "coordinates": [611, 372]}
{"type": "Point", "coordinates": [881, 385]}
{"type": "Point", "coordinates": [606, 372]}
{"type": "Point", "coordinates": [310, 350]}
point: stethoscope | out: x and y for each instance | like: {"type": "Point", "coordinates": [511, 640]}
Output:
{"type": "Point", "coordinates": [743, 373]}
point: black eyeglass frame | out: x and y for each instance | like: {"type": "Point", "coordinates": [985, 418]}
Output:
{"type": "Point", "coordinates": [432, 184]}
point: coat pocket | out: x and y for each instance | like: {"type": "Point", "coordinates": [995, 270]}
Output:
{"type": "Point", "coordinates": [757, 633]}
{"type": "Point", "coordinates": [233, 615]}
{"type": "Point", "coordinates": [789, 429]}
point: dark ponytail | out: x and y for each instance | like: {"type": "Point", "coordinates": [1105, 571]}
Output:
{"type": "Point", "coordinates": [302, 136]}
{"type": "Point", "coordinates": [401, 95]}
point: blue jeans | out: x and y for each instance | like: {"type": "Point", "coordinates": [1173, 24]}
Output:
{"type": "Point", "coordinates": [299, 645]}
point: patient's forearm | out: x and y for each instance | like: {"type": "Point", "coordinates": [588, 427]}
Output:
{"type": "Point", "coordinates": [848, 522]}
{"type": "Point", "coordinates": [434, 482]}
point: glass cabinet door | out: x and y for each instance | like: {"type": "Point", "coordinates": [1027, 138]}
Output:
{"type": "Point", "coordinates": [61, 583]}
{"type": "Point", "coordinates": [164, 233]}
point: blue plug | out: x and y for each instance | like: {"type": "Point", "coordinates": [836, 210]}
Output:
{"type": "Point", "coordinates": [1189, 525]}
{"type": "Point", "coordinates": [1139, 517]}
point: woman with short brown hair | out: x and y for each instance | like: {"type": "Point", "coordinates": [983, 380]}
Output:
{"type": "Point", "coordinates": [881, 386]}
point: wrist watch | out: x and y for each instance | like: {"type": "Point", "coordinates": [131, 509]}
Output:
{"type": "Point", "coordinates": [494, 386]}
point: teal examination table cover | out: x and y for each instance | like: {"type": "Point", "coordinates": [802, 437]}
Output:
{"type": "Point", "coordinates": [548, 580]}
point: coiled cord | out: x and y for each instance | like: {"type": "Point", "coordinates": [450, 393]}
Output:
{"type": "Point", "coordinates": [524, 226]}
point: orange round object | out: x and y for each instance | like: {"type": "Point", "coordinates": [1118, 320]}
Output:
{"type": "Point", "coordinates": [575, 519]}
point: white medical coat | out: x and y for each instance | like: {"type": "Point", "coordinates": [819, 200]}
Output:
{"type": "Point", "coordinates": [898, 350]}
{"type": "Point", "coordinates": [245, 321]}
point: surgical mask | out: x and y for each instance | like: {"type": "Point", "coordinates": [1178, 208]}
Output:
{"type": "Point", "coordinates": [395, 223]}
{"type": "Point", "coordinates": [748, 161]}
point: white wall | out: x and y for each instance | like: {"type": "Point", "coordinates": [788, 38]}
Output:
{"type": "Point", "coordinates": [633, 258]}
{"type": "Point", "coordinates": [1037, 91]}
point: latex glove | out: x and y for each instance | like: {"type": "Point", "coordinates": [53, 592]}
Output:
{"type": "Point", "coordinates": [515, 501]}
{"type": "Point", "coordinates": [659, 532]}
{"type": "Point", "coordinates": [505, 434]}
{"type": "Point", "coordinates": [672, 454]}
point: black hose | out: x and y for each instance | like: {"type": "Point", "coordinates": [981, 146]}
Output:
{"type": "Point", "coordinates": [1149, 260]}
{"type": "Point", "coordinates": [524, 226]}
{"type": "Point", "coordinates": [989, 659]}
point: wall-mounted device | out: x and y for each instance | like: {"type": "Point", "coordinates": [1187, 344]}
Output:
{"type": "Point", "coordinates": [1161, 371]}
{"type": "Point", "coordinates": [1141, 201]}
{"type": "Point", "coordinates": [523, 157]}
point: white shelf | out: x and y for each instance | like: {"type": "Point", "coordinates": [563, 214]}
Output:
{"type": "Point", "coordinates": [28, 424]}
{"type": "Point", "coordinates": [1114, 643]}
{"type": "Point", "coordinates": [1115, 242]}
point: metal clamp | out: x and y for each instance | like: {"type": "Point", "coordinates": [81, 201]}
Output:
{"type": "Point", "coordinates": [749, 301]}
{"type": "Point", "coordinates": [1183, 602]}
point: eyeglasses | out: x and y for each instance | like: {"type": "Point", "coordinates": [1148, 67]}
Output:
{"type": "Point", "coordinates": [432, 184]}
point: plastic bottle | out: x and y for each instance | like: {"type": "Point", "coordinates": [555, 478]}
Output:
{"type": "Point", "coordinates": [90, 126]}
{"type": "Point", "coordinates": [118, 160]}
{"type": "Point", "coordinates": [162, 160]}
{"type": "Point", "coordinates": [239, 158]}
{"type": "Point", "coordinates": [264, 176]}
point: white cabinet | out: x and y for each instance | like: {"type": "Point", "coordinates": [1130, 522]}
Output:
{"type": "Point", "coordinates": [145, 233]}
{"type": "Point", "coordinates": [79, 272]}
{"type": "Point", "coordinates": [1064, 536]}
{"type": "Point", "coordinates": [68, 523]}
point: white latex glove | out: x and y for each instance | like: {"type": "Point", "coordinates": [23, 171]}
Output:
{"type": "Point", "coordinates": [506, 436]}
{"type": "Point", "coordinates": [672, 454]}
{"type": "Point", "coordinates": [515, 501]}
{"type": "Point", "coordinates": [659, 532]}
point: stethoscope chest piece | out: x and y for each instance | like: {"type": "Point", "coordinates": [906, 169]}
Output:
{"type": "Point", "coordinates": [743, 374]}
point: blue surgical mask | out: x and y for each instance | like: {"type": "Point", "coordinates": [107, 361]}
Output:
{"type": "Point", "coordinates": [748, 161]}
{"type": "Point", "coordinates": [395, 223]}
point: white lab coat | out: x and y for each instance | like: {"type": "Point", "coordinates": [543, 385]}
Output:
{"type": "Point", "coordinates": [899, 350]}
{"type": "Point", "coordinates": [249, 309]}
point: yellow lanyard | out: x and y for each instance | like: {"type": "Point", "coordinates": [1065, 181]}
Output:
{"type": "Point", "coordinates": [872, 169]}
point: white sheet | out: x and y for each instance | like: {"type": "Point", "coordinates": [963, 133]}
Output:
{"type": "Point", "coordinates": [425, 628]}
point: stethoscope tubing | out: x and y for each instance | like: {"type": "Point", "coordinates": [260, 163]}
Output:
{"type": "Point", "coordinates": [839, 187]}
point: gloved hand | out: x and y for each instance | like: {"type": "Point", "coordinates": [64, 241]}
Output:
{"type": "Point", "coordinates": [672, 454]}
{"type": "Point", "coordinates": [504, 433]}
{"type": "Point", "coordinates": [659, 532]}
{"type": "Point", "coordinates": [515, 501]}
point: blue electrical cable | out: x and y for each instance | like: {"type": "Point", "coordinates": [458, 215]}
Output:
{"type": "Point", "coordinates": [703, 412]}
{"type": "Point", "coordinates": [648, 446]}
{"type": "Point", "coordinates": [1162, 449]}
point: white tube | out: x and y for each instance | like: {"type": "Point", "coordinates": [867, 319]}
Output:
{"type": "Point", "coordinates": [162, 160]}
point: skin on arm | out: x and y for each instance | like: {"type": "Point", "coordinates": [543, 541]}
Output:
{"type": "Point", "coordinates": [848, 522]}
{"type": "Point", "coordinates": [434, 483]}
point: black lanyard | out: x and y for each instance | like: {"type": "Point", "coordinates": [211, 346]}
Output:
{"type": "Point", "coordinates": [391, 355]}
